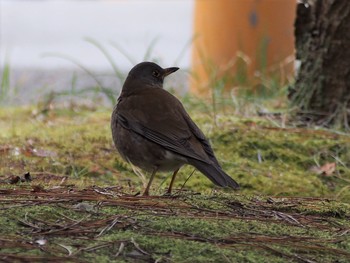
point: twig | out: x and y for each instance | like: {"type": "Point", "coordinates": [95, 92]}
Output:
{"type": "Point", "coordinates": [109, 227]}
{"type": "Point", "coordinates": [120, 250]}
{"type": "Point", "coordinates": [186, 181]}
{"type": "Point", "coordinates": [103, 192]}
{"type": "Point", "coordinates": [66, 248]}
{"type": "Point", "coordinates": [65, 227]}
{"type": "Point", "coordinates": [138, 247]}
{"type": "Point", "coordinates": [288, 218]}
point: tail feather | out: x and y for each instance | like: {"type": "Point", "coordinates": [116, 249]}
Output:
{"type": "Point", "coordinates": [215, 173]}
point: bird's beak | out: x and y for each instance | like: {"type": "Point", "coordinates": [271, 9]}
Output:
{"type": "Point", "coordinates": [168, 71]}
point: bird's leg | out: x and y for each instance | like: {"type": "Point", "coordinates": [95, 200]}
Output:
{"type": "Point", "coordinates": [172, 182]}
{"type": "Point", "coordinates": [146, 192]}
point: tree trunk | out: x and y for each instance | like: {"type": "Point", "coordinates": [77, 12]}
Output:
{"type": "Point", "coordinates": [322, 89]}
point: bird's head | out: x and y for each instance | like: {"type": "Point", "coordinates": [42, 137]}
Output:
{"type": "Point", "coordinates": [147, 74]}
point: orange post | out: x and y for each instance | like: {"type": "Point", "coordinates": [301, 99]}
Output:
{"type": "Point", "coordinates": [257, 34]}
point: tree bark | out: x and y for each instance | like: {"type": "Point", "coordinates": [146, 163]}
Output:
{"type": "Point", "coordinates": [322, 89]}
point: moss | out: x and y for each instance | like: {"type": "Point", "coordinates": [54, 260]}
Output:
{"type": "Point", "coordinates": [283, 211]}
{"type": "Point", "coordinates": [264, 159]}
{"type": "Point", "coordinates": [208, 228]}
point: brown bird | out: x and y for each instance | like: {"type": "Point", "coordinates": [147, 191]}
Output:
{"type": "Point", "coordinates": [152, 130]}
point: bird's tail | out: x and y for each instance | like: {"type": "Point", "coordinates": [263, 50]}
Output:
{"type": "Point", "coordinates": [215, 173]}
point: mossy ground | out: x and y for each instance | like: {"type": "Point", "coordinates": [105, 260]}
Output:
{"type": "Point", "coordinates": [81, 204]}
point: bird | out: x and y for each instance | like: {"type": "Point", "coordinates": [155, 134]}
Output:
{"type": "Point", "coordinates": [152, 130]}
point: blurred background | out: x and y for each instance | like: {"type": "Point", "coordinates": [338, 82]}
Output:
{"type": "Point", "coordinates": [29, 29]}
{"type": "Point", "coordinates": [52, 48]}
{"type": "Point", "coordinates": [43, 41]}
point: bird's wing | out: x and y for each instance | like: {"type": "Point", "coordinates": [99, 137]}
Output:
{"type": "Point", "coordinates": [164, 123]}
{"type": "Point", "coordinates": [201, 137]}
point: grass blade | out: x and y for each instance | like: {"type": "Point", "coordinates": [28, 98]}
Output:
{"type": "Point", "coordinates": [150, 48]}
{"type": "Point", "coordinates": [117, 72]}
{"type": "Point", "coordinates": [105, 91]}
{"type": "Point", "coordinates": [124, 53]}
{"type": "Point", "coordinates": [5, 82]}
{"type": "Point", "coordinates": [187, 45]}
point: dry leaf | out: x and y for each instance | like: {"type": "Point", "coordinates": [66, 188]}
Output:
{"type": "Point", "coordinates": [327, 169]}
{"type": "Point", "coordinates": [14, 179]}
{"type": "Point", "coordinates": [38, 188]}
{"type": "Point", "coordinates": [44, 153]}
{"type": "Point", "coordinates": [4, 149]}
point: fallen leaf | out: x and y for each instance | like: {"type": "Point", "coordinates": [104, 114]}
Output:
{"type": "Point", "coordinates": [4, 149]}
{"type": "Point", "coordinates": [44, 153]}
{"type": "Point", "coordinates": [14, 179]}
{"type": "Point", "coordinates": [38, 188]}
{"type": "Point", "coordinates": [327, 169]}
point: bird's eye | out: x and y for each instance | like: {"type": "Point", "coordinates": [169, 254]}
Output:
{"type": "Point", "coordinates": [156, 74]}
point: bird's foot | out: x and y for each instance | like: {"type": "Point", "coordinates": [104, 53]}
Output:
{"type": "Point", "coordinates": [145, 193]}
{"type": "Point", "coordinates": [167, 194]}
{"type": "Point", "coordinates": [170, 194]}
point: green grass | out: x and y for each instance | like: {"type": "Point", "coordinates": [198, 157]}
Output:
{"type": "Point", "coordinates": [88, 226]}
{"type": "Point", "coordinates": [81, 200]}
{"type": "Point", "coordinates": [5, 83]}
{"type": "Point", "coordinates": [82, 204]}
{"type": "Point", "coordinates": [264, 158]}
